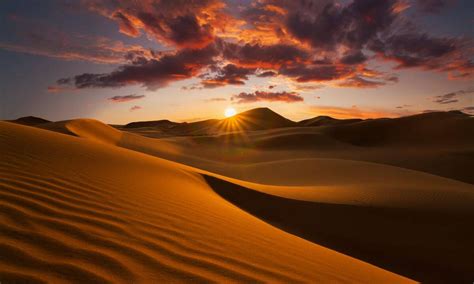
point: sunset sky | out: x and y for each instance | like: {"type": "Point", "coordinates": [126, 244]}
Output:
{"type": "Point", "coordinates": [120, 61]}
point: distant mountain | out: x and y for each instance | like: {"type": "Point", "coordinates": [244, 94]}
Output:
{"type": "Point", "coordinates": [164, 123]}
{"type": "Point", "coordinates": [434, 128]}
{"type": "Point", "coordinates": [254, 119]}
{"type": "Point", "coordinates": [429, 129]}
{"type": "Point", "coordinates": [326, 120]}
{"type": "Point", "coordinates": [262, 118]}
{"type": "Point", "coordinates": [30, 120]}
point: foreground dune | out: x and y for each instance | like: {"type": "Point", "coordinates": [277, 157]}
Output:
{"type": "Point", "coordinates": [77, 210]}
{"type": "Point", "coordinates": [402, 220]}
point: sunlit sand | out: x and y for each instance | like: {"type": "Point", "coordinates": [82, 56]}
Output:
{"type": "Point", "coordinates": [88, 202]}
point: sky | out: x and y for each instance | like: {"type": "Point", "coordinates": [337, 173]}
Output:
{"type": "Point", "coordinates": [186, 60]}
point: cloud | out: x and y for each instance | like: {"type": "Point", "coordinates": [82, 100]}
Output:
{"type": "Point", "coordinates": [135, 108]}
{"type": "Point", "coordinates": [39, 39]}
{"type": "Point", "coordinates": [452, 97]}
{"type": "Point", "coordinates": [333, 24]}
{"type": "Point", "coordinates": [353, 57]}
{"type": "Point", "coordinates": [216, 100]}
{"type": "Point", "coordinates": [228, 75]}
{"type": "Point", "coordinates": [359, 82]}
{"type": "Point", "coordinates": [127, 98]}
{"type": "Point", "coordinates": [413, 50]}
{"type": "Point", "coordinates": [267, 74]}
{"type": "Point", "coordinates": [264, 56]}
{"type": "Point", "coordinates": [287, 97]}
{"type": "Point", "coordinates": [127, 26]}
{"type": "Point", "coordinates": [431, 6]}
{"type": "Point", "coordinates": [306, 88]}
{"type": "Point", "coordinates": [469, 109]}
{"type": "Point", "coordinates": [184, 24]}
{"type": "Point", "coordinates": [312, 41]}
{"type": "Point", "coordinates": [303, 73]}
{"type": "Point", "coordinates": [151, 73]}
{"type": "Point", "coordinates": [343, 32]}
{"type": "Point", "coordinates": [60, 89]}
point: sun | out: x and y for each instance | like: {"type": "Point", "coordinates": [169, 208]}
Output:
{"type": "Point", "coordinates": [230, 111]}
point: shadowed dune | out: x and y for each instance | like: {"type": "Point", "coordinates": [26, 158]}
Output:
{"type": "Point", "coordinates": [326, 121]}
{"type": "Point", "coordinates": [83, 210]}
{"type": "Point", "coordinates": [429, 246]}
{"type": "Point", "coordinates": [30, 120]}
{"type": "Point", "coordinates": [428, 129]}
{"type": "Point", "coordinates": [160, 124]}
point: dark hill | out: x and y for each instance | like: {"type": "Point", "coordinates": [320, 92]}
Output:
{"type": "Point", "coordinates": [30, 120]}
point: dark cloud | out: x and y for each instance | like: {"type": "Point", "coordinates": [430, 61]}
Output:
{"type": "Point", "coordinates": [334, 24]}
{"type": "Point", "coordinates": [304, 41]}
{"type": "Point", "coordinates": [365, 24]}
{"type": "Point", "coordinates": [152, 73]}
{"type": "Point", "coordinates": [303, 73]}
{"type": "Point", "coordinates": [228, 75]}
{"type": "Point", "coordinates": [360, 82]}
{"type": "Point", "coordinates": [127, 98]}
{"type": "Point", "coordinates": [355, 57]}
{"type": "Point", "coordinates": [186, 24]}
{"type": "Point", "coordinates": [431, 6]}
{"type": "Point", "coordinates": [267, 74]}
{"type": "Point", "coordinates": [134, 108]}
{"type": "Point", "coordinates": [182, 30]}
{"type": "Point", "coordinates": [452, 97]}
{"type": "Point", "coordinates": [468, 109]}
{"type": "Point", "coordinates": [264, 56]}
{"type": "Point", "coordinates": [416, 50]}
{"type": "Point", "coordinates": [288, 97]}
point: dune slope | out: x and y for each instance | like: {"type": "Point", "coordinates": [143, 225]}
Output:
{"type": "Point", "coordinates": [75, 210]}
{"type": "Point", "coordinates": [425, 244]}
{"type": "Point", "coordinates": [399, 219]}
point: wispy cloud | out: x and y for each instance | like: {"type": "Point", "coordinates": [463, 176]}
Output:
{"type": "Point", "coordinates": [452, 97]}
{"type": "Point", "coordinates": [287, 97]}
{"type": "Point", "coordinates": [127, 98]}
{"type": "Point", "coordinates": [135, 108]}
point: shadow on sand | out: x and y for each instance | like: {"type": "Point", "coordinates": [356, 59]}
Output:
{"type": "Point", "coordinates": [427, 246]}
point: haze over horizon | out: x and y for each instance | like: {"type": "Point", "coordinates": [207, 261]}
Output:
{"type": "Point", "coordinates": [122, 61]}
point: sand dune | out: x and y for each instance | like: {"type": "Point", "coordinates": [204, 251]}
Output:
{"type": "Point", "coordinates": [428, 129]}
{"type": "Point", "coordinates": [236, 149]}
{"type": "Point", "coordinates": [77, 210]}
{"type": "Point", "coordinates": [249, 202]}
{"type": "Point", "coordinates": [255, 119]}
{"type": "Point", "coordinates": [30, 120]}
{"type": "Point", "coordinates": [432, 246]}
{"type": "Point", "coordinates": [326, 121]}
